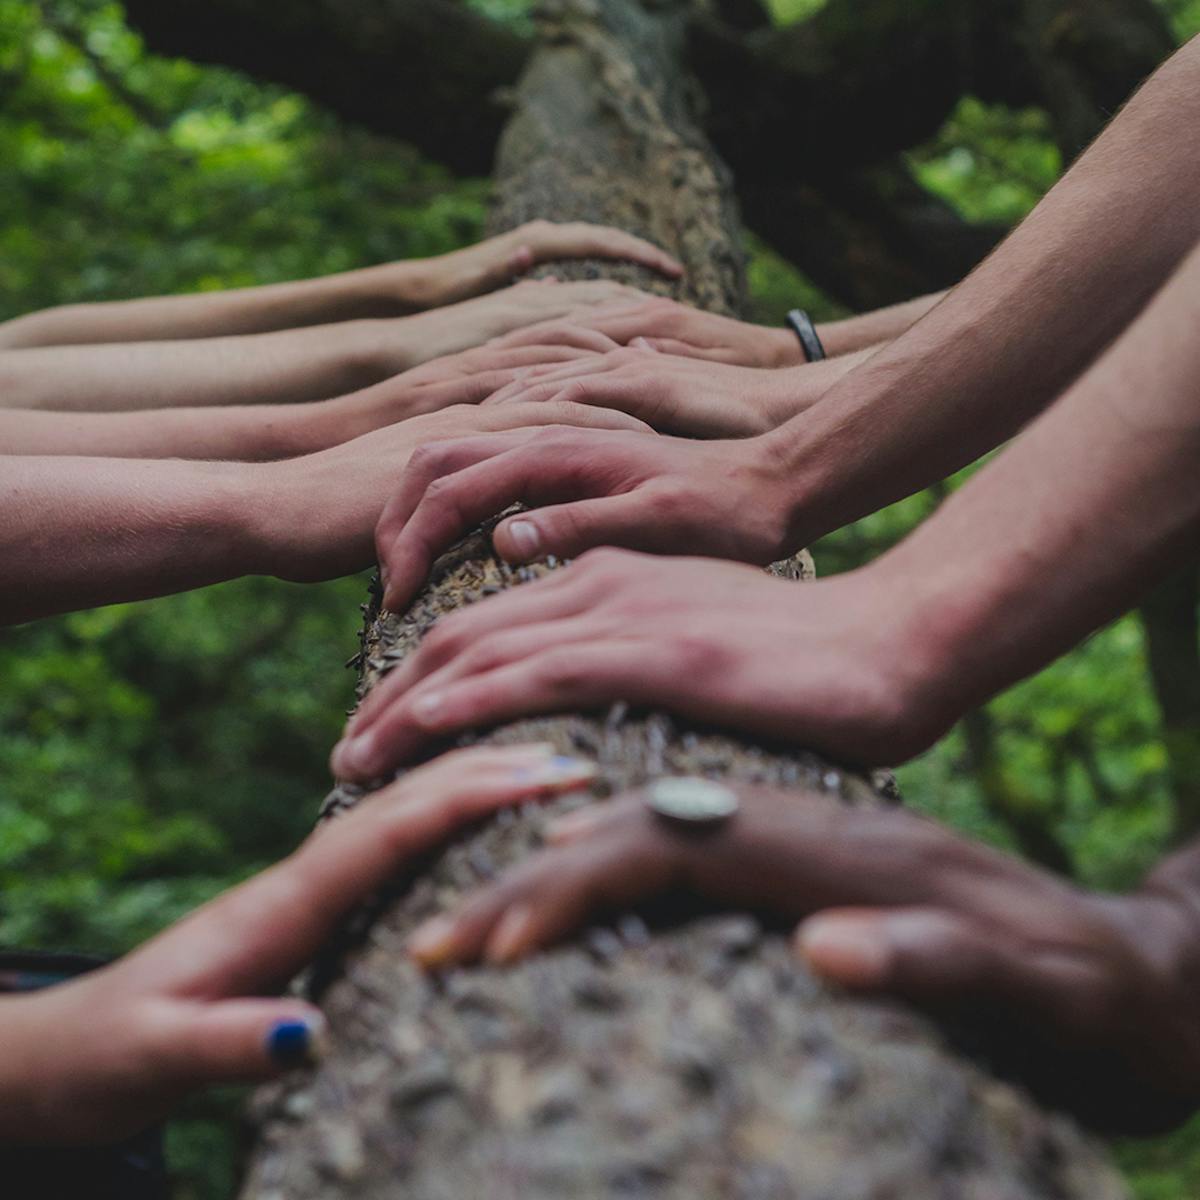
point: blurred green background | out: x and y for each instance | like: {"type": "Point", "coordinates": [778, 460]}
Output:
{"type": "Point", "coordinates": [152, 754]}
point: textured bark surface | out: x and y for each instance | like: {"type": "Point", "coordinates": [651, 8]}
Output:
{"type": "Point", "coordinates": [670, 1053]}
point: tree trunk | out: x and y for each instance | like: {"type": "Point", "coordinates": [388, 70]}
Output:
{"type": "Point", "coordinates": [668, 1055]}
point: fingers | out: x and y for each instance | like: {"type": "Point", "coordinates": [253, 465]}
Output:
{"type": "Point", "coordinates": [668, 345]}
{"type": "Point", "coordinates": [560, 332]}
{"type": "Point", "coordinates": [580, 672]}
{"type": "Point", "coordinates": [446, 492]}
{"type": "Point", "coordinates": [555, 892]}
{"type": "Point", "coordinates": [545, 241]}
{"type": "Point", "coordinates": [568, 530]}
{"type": "Point", "coordinates": [235, 1041]}
{"type": "Point", "coordinates": [553, 598]}
{"type": "Point", "coordinates": [284, 914]}
{"type": "Point", "coordinates": [939, 957]}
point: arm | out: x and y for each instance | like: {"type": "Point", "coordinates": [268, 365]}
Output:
{"type": "Point", "coordinates": [291, 366]}
{"type": "Point", "coordinates": [79, 532]}
{"type": "Point", "coordinates": [391, 289]}
{"type": "Point", "coordinates": [1079, 516]}
{"type": "Point", "coordinates": [873, 329]}
{"type": "Point", "coordinates": [264, 432]}
{"type": "Point", "coordinates": [969, 375]}
{"type": "Point", "coordinates": [103, 1056]}
{"type": "Point", "coordinates": [1096, 992]}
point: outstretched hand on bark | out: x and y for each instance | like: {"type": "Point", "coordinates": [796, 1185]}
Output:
{"type": "Point", "coordinates": [835, 665]}
{"type": "Point", "coordinates": [725, 499]}
{"type": "Point", "coordinates": [675, 328]}
{"type": "Point", "coordinates": [1102, 987]}
{"type": "Point", "coordinates": [492, 263]}
{"type": "Point", "coordinates": [105, 1055]}
{"type": "Point", "coordinates": [685, 396]}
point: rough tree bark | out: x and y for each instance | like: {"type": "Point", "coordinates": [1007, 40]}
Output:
{"type": "Point", "coordinates": [673, 1055]}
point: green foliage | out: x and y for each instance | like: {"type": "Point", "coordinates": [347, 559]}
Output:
{"type": "Point", "coordinates": [152, 754]}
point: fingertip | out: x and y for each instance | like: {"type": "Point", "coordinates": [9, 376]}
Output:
{"type": "Point", "coordinates": [435, 943]}
{"type": "Point", "coordinates": [512, 937]}
{"type": "Point", "coordinates": [850, 949]}
{"type": "Point", "coordinates": [517, 540]}
{"type": "Point", "coordinates": [300, 1039]}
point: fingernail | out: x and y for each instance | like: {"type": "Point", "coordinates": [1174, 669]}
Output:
{"type": "Point", "coordinates": [558, 769]}
{"type": "Point", "coordinates": [428, 708]}
{"type": "Point", "coordinates": [433, 942]}
{"type": "Point", "coordinates": [524, 537]}
{"type": "Point", "coordinates": [847, 950]}
{"type": "Point", "coordinates": [296, 1043]}
{"type": "Point", "coordinates": [572, 827]}
{"type": "Point", "coordinates": [353, 755]}
{"type": "Point", "coordinates": [508, 940]}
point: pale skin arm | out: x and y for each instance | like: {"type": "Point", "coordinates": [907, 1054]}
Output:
{"type": "Point", "coordinates": [973, 372]}
{"type": "Point", "coordinates": [1064, 531]}
{"type": "Point", "coordinates": [290, 366]}
{"type": "Point", "coordinates": [391, 289]}
{"type": "Point", "coordinates": [80, 532]}
{"type": "Point", "coordinates": [265, 432]}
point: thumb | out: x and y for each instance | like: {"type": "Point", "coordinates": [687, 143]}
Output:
{"type": "Point", "coordinates": [567, 530]}
{"type": "Point", "coordinates": [922, 953]}
{"type": "Point", "coordinates": [240, 1040]}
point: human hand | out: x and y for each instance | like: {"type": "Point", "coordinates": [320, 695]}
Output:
{"type": "Point", "coordinates": [468, 377]}
{"type": "Point", "coordinates": [837, 665]}
{"type": "Point", "coordinates": [727, 499]}
{"type": "Point", "coordinates": [313, 517]}
{"type": "Point", "coordinates": [100, 1057]}
{"type": "Point", "coordinates": [1096, 992]}
{"type": "Point", "coordinates": [498, 260]}
{"type": "Point", "coordinates": [679, 329]}
{"type": "Point", "coordinates": [689, 397]}
{"type": "Point", "coordinates": [470, 323]}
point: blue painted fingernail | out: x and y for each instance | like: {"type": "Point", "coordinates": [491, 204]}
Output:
{"type": "Point", "coordinates": [557, 770]}
{"type": "Point", "coordinates": [293, 1044]}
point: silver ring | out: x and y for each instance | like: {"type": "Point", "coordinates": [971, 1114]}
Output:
{"type": "Point", "coordinates": [689, 800]}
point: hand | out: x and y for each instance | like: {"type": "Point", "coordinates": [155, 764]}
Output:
{"type": "Point", "coordinates": [684, 396]}
{"type": "Point", "coordinates": [468, 377]}
{"type": "Point", "coordinates": [1097, 991]}
{"type": "Point", "coordinates": [470, 323]}
{"type": "Point", "coordinates": [497, 261]}
{"type": "Point", "coordinates": [833, 665]}
{"type": "Point", "coordinates": [667, 495]}
{"type": "Point", "coordinates": [105, 1055]}
{"type": "Point", "coordinates": [675, 328]}
{"type": "Point", "coordinates": [312, 517]}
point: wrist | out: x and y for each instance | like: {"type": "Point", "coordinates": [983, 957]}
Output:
{"type": "Point", "coordinates": [780, 348]}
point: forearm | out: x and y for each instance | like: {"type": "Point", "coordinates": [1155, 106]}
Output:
{"type": "Point", "coordinates": [874, 328]}
{"type": "Point", "coordinates": [81, 532]}
{"type": "Point", "coordinates": [272, 368]}
{"type": "Point", "coordinates": [1008, 339]}
{"type": "Point", "coordinates": [1073, 522]}
{"type": "Point", "coordinates": [383, 291]}
{"type": "Point", "coordinates": [242, 433]}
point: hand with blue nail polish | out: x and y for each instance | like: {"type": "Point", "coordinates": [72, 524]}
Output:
{"type": "Point", "coordinates": [102, 1056]}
